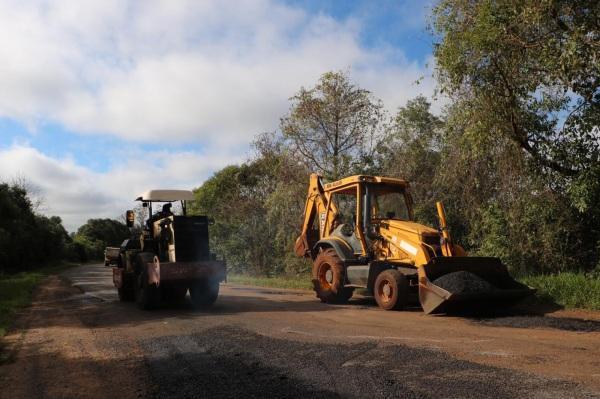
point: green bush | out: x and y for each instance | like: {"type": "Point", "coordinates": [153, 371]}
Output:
{"type": "Point", "coordinates": [572, 290]}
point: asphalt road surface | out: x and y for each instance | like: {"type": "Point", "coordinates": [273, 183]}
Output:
{"type": "Point", "coordinates": [78, 341]}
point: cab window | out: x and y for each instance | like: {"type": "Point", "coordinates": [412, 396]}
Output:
{"type": "Point", "coordinates": [388, 202]}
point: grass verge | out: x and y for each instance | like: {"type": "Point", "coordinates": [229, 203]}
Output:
{"type": "Point", "coordinates": [16, 290]}
{"type": "Point", "coordinates": [571, 290]}
{"type": "Point", "coordinates": [299, 283]}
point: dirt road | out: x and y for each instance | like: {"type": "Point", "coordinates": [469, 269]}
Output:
{"type": "Point", "coordinates": [78, 341]}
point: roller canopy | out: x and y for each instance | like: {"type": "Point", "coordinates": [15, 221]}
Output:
{"type": "Point", "coordinates": [166, 196]}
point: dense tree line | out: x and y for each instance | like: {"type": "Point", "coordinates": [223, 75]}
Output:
{"type": "Point", "coordinates": [97, 234]}
{"type": "Point", "coordinates": [26, 238]}
{"type": "Point", "coordinates": [29, 240]}
{"type": "Point", "coordinates": [515, 155]}
{"type": "Point", "coordinates": [523, 128]}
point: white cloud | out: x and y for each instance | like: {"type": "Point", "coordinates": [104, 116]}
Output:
{"type": "Point", "coordinates": [76, 193]}
{"type": "Point", "coordinates": [212, 73]}
{"type": "Point", "coordinates": [209, 71]}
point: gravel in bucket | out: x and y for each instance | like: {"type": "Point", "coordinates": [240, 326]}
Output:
{"type": "Point", "coordinates": [463, 282]}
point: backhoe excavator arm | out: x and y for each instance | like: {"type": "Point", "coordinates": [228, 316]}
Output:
{"type": "Point", "coordinates": [316, 206]}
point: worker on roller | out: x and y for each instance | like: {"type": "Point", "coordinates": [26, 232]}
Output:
{"type": "Point", "coordinates": [165, 212]}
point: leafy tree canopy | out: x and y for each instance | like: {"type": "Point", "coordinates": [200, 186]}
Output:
{"type": "Point", "coordinates": [334, 125]}
{"type": "Point", "coordinates": [528, 70]}
{"type": "Point", "coordinates": [110, 232]}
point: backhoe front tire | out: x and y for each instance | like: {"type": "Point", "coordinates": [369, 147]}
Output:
{"type": "Point", "coordinates": [328, 278]}
{"type": "Point", "coordinates": [391, 290]}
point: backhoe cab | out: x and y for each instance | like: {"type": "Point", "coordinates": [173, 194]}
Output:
{"type": "Point", "coordinates": [359, 233]}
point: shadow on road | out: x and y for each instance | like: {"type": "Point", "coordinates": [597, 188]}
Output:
{"type": "Point", "coordinates": [529, 314]}
{"type": "Point", "coordinates": [227, 362]}
{"type": "Point", "coordinates": [536, 321]}
{"type": "Point", "coordinates": [60, 304]}
{"type": "Point", "coordinates": [157, 375]}
{"type": "Point", "coordinates": [253, 363]}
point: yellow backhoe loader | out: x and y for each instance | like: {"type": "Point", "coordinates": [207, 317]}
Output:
{"type": "Point", "coordinates": [359, 233]}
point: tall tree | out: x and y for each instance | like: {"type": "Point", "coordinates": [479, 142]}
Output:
{"type": "Point", "coordinates": [529, 70]}
{"type": "Point", "coordinates": [257, 208]}
{"type": "Point", "coordinates": [110, 231]}
{"type": "Point", "coordinates": [104, 232]}
{"type": "Point", "coordinates": [334, 125]}
{"type": "Point", "coordinates": [412, 152]}
{"type": "Point", "coordinates": [524, 77]}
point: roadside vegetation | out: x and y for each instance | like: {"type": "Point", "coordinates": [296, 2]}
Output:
{"type": "Point", "coordinates": [33, 245]}
{"type": "Point", "coordinates": [30, 240]}
{"type": "Point", "coordinates": [288, 282]}
{"type": "Point", "coordinates": [16, 290]}
{"type": "Point", "coordinates": [15, 293]}
{"type": "Point", "coordinates": [571, 290]}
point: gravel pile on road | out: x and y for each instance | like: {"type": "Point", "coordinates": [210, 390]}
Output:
{"type": "Point", "coordinates": [464, 283]}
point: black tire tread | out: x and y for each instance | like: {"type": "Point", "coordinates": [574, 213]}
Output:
{"type": "Point", "coordinates": [338, 293]}
{"type": "Point", "coordinates": [401, 288]}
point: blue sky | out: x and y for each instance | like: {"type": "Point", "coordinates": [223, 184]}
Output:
{"type": "Point", "coordinates": [97, 96]}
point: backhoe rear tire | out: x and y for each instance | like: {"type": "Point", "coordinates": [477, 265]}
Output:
{"type": "Point", "coordinates": [391, 290]}
{"type": "Point", "coordinates": [328, 278]}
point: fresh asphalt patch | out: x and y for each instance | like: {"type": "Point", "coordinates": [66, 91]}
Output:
{"type": "Point", "coordinates": [226, 362]}
{"type": "Point", "coordinates": [529, 321]}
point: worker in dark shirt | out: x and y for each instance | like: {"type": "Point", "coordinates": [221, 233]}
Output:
{"type": "Point", "coordinates": [165, 212]}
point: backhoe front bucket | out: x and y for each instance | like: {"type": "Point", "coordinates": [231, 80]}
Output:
{"type": "Point", "coordinates": [492, 285]}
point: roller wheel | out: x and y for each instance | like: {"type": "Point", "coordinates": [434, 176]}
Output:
{"type": "Point", "coordinates": [147, 296]}
{"type": "Point", "coordinates": [391, 290]}
{"type": "Point", "coordinates": [328, 278]}
{"type": "Point", "coordinates": [126, 295]}
{"type": "Point", "coordinates": [174, 293]}
{"type": "Point", "coordinates": [204, 293]}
